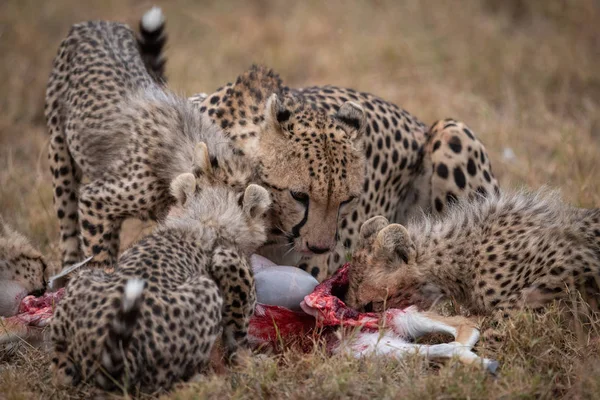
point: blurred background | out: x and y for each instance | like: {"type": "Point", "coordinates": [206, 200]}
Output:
{"type": "Point", "coordinates": [522, 74]}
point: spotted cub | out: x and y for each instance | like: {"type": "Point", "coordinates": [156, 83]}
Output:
{"type": "Point", "coordinates": [23, 269]}
{"type": "Point", "coordinates": [112, 123]}
{"type": "Point", "coordinates": [154, 320]}
{"type": "Point", "coordinates": [492, 256]}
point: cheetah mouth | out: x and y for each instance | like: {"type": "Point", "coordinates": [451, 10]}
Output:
{"type": "Point", "coordinates": [306, 252]}
{"type": "Point", "coordinates": [34, 313]}
{"type": "Point", "coordinates": [327, 303]}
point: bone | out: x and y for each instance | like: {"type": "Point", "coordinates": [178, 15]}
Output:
{"type": "Point", "coordinates": [11, 294]}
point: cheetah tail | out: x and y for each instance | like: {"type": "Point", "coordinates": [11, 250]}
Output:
{"type": "Point", "coordinates": [120, 332]}
{"type": "Point", "coordinates": [151, 40]}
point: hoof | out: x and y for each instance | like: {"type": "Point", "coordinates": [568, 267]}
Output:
{"type": "Point", "coordinates": [492, 367]}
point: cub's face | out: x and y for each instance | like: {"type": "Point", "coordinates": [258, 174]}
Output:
{"type": "Point", "coordinates": [204, 203]}
{"type": "Point", "coordinates": [384, 268]}
{"type": "Point", "coordinates": [20, 261]}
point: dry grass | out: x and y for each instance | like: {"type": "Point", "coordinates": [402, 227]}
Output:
{"type": "Point", "coordinates": [523, 74]}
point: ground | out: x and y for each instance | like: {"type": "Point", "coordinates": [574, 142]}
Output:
{"type": "Point", "coordinates": [523, 75]}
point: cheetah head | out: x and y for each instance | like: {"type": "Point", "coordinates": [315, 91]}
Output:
{"type": "Point", "coordinates": [220, 212]}
{"type": "Point", "coordinates": [23, 269]}
{"type": "Point", "coordinates": [314, 165]}
{"type": "Point", "coordinates": [384, 267]}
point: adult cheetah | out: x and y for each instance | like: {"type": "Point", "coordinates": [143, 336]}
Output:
{"type": "Point", "coordinates": [154, 320]}
{"type": "Point", "coordinates": [110, 121]}
{"type": "Point", "coordinates": [409, 167]}
{"type": "Point", "coordinates": [493, 255]}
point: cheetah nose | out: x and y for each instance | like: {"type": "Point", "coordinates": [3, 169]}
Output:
{"type": "Point", "coordinates": [317, 249]}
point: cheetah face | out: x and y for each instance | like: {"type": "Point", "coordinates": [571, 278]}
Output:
{"type": "Point", "coordinates": [21, 262]}
{"type": "Point", "coordinates": [221, 212]}
{"type": "Point", "coordinates": [313, 163]}
{"type": "Point", "coordinates": [383, 267]}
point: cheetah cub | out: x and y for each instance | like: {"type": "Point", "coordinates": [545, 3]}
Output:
{"type": "Point", "coordinates": [155, 319]}
{"type": "Point", "coordinates": [23, 269]}
{"type": "Point", "coordinates": [494, 255]}
{"type": "Point", "coordinates": [112, 123]}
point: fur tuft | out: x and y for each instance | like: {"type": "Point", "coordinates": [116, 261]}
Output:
{"type": "Point", "coordinates": [152, 41]}
{"type": "Point", "coordinates": [153, 19]}
{"type": "Point", "coordinates": [543, 203]}
{"type": "Point", "coordinates": [133, 291]}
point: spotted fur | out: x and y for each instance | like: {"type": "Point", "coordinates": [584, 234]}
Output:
{"type": "Point", "coordinates": [154, 320]}
{"type": "Point", "coordinates": [112, 123]}
{"type": "Point", "coordinates": [491, 255]}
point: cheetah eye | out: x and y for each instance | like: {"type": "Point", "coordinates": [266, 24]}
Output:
{"type": "Point", "coordinates": [299, 196]}
{"type": "Point", "coordinates": [349, 200]}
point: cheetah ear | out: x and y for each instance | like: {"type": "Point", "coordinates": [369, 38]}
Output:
{"type": "Point", "coordinates": [183, 188]}
{"type": "Point", "coordinates": [353, 118]}
{"type": "Point", "coordinates": [369, 228]}
{"type": "Point", "coordinates": [394, 243]}
{"type": "Point", "coordinates": [257, 201]}
{"type": "Point", "coordinates": [276, 113]}
{"type": "Point", "coordinates": [202, 159]}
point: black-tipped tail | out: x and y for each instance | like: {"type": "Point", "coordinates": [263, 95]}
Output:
{"type": "Point", "coordinates": [152, 41]}
{"type": "Point", "coordinates": [120, 332]}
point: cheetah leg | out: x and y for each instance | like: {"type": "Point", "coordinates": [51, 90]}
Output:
{"type": "Point", "coordinates": [458, 164]}
{"type": "Point", "coordinates": [197, 311]}
{"type": "Point", "coordinates": [235, 279]}
{"type": "Point", "coordinates": [535, 297]}
{"type": "Point", "coordinates": [114, 243]}
{"type": "Point", "coordinates": [64, 372]}
{"type": "Point", "coordinates": [493, 337]}
{"type": "Point", "coordinates": [103, 205]}
{"type": "Point", "coordinates": [66, 178]}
